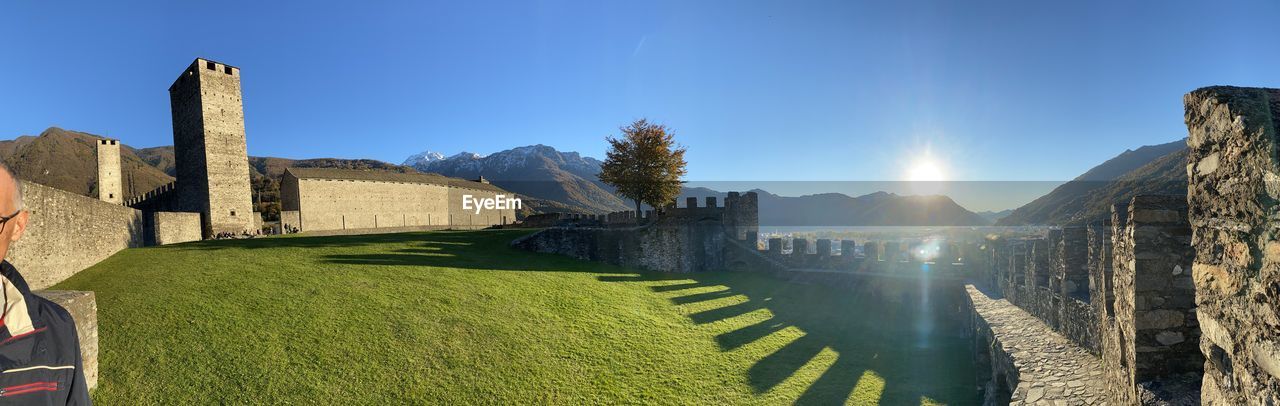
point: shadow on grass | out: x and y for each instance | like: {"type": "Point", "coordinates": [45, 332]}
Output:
{"type": "Point", "coordinates": [916, 347]}
{"type": "Point", "coordinates": [894, 335]}
{"type": "Point", "coordinates": [336, 241]}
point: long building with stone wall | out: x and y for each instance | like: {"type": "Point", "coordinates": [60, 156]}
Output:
{"type": "Point", "coordinates": [321, 199]}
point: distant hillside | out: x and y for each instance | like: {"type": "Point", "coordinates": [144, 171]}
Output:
{"type": "Point", "coordinates": [68, 160]}
{"type": "Point", "coordinates": [562, 181]}
{"type": "Point", "coordinates": [835, 209]}
{"type": "Point", "coordinates": [994, 216]}
{"type": "Point", "coordinates": [1153, 169]}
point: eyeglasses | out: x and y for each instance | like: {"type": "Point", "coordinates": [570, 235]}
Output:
{"type": "Point", "coordinates": [4, 220]}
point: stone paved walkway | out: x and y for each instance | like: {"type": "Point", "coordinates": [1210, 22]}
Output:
{"type": "Point", "coordinates": [1051, 369]}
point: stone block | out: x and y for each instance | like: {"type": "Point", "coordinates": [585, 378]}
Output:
{"type": "Point", "coordinates": [83, 307]}
{"type": "Point", "coordinates": [823, 247]}
{"type": "Point", "coordinates": [174, 227]}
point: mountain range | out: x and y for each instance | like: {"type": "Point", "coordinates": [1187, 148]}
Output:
{"type": "Point", "coordinates": [557, 181]}
{"type": "Point", "coordinates": [68, 160]}
{"type": "Point", "coordinates": [836, 209]}
{"type": "Point", "coordinates": [551, 180]}
{"type": "Point", "coordinates": [1153, 169]}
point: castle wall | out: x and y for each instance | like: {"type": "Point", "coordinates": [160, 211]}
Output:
{"type": "Point", "coordinates": [1234, 199]}
{"type": "Point", "coordinates": [326, 204]}
{"type": "Point", "coordinates": [1021, 361]}
{"type": "Point", "coordinates": [175, 227]}
{"type": "Point", "coordinates": [351, 204]}
{"type": "Point", "coordinates": [1060, 262]}
{"type": "Point", "coordinates": [667, 246]}
{"type": "Point", "coordinates": [464, 218]}
{"type": "Point", "coordinates": [209, 144]}
{"type": "Point", "coordinates": [110, 188]}
{"type": "Point", "coordinates": [68, 232]}
{"type": "Point", "coordinates": [687, 239]}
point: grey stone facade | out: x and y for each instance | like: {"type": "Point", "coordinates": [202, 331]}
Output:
{"type": "Point", "coordinates": [67, 233]}
{"type": "Point", "coordinates": [342, 199]}
{"type": "Point", "coordinates": [209, 146]}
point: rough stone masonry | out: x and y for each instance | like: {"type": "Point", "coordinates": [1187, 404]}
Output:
{"type": "Point", "coordinates": [1150, 350]}
{"type": "Point", "coordinates": [209, 140]}
{"type": "Point", "coordinates": [1233, 192]}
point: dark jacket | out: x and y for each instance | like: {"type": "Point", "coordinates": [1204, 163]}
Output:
{"type": "Point", "coordinates": [39, 349]}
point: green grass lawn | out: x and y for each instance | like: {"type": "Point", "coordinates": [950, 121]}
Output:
{"type": "Point", "coordinates": [458, 317]}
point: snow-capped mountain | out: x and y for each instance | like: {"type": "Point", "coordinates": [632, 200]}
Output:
{"type": "Point", "coordinates": [537, 171]}
{"type": "Point", "coordinates": [423, 158]}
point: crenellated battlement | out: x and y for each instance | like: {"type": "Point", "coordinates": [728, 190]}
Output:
{"type": "Point", "coordinates": [151, 196]}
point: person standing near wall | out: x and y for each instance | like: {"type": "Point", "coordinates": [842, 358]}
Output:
{"type": "Point", "coordinates": [40, 361]}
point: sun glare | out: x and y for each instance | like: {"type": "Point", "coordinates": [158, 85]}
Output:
{"type": "Point", "coordinates": [926, 170]}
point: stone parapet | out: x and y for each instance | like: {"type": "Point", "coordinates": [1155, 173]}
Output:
{"type": "Point", "coordinates": [1024, 362]}
{"type": "Point", "coordinates": [1233, 177]}
{"type": "Point", "coordinates": [1154, 331]}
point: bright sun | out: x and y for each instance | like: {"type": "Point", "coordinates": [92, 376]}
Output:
{"type": "Point", "coordinates": [926, 170]}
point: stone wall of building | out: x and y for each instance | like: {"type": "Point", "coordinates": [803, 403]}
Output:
{"type": "Point", "coordinates": [1154, 348]}
{"type": "Point", "coordinates": [83, 307]}
{"type": "Point", "coordinates": [67, 233]}
{"type": "Point", "coordinates": [175, 227]}
{"type": "Point", "coordinates": [1234, 197]}
{"type": "Point", "coordinates": [341, 204]}
{"type": "Point", "coordinates": [463, 218]}
{"type": "Point", "coordinates": [328, 204]}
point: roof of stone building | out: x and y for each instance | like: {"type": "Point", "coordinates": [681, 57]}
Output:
{"type": "Point", "coordinates": [388, 176]}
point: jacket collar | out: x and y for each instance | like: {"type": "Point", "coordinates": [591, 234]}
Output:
{"type": "Point", "coordinates": [16, 314]}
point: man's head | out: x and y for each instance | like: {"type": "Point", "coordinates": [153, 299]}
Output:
{"type": "Point", "coordinates": [10, 203]}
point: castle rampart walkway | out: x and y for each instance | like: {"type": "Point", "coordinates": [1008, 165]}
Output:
{"type": "Point", "coordinates": [1030, 364]}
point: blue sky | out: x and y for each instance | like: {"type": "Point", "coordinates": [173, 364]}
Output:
{"type": "Point", "coordinates": [768, 91]}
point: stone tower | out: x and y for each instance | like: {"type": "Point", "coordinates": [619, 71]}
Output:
{"type": "Point", "coordinates": [109, 186]}
{"type": "Point", "coordinates": [209, 147]}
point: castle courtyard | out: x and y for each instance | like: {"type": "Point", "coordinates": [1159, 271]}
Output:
{"type": "Point", "coordinates": [452, 317]}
